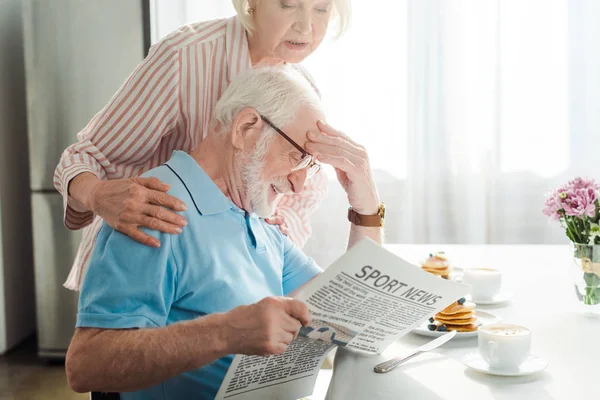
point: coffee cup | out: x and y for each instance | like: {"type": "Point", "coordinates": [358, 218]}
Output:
{"type": "Point", "coordinates": [485, 282]}
{"type": "Point", "coordinates": [504, 346]}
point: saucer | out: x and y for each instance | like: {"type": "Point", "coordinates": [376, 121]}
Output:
{"type": "Point", "coordinates": [483, 317]}
{"type": "Point", "coordinates": [530, 366]}
{"type": "Point", "coordinates": [499, 298]}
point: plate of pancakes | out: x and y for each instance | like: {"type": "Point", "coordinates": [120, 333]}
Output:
{"type": "Point", "coordinates": [437, 264]}
{"type": "Point", "coordinates": [459, 316]}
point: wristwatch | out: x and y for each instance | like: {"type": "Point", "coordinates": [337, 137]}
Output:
{"type": "Point", "coordinates": [367, 220]}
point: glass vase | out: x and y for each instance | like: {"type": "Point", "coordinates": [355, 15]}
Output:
{"type": "Point", "coordinates": [585, 274]}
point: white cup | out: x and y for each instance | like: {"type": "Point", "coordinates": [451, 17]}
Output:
{"type": "Point", "coordinates": [504, 346]}
{"type": "Point", "coordinates": [485, 282]}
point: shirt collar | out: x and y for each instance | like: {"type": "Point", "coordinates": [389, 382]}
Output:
{"type": "Point", "coordinates": [206, 195]}
{"type": "Point", "coordinates": [238, 53]}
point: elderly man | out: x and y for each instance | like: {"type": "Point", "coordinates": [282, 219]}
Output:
{"type": "Point", "coordinates": [163, 323]}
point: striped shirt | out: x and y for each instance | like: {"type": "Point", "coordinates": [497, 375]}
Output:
{"type": "Point", "coordinates": [166, 105]}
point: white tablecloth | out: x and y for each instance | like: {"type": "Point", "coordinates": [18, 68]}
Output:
{"type": "Point", "coordinates": [543, 300]}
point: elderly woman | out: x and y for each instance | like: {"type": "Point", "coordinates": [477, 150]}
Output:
{"type": "Point", "coordinates": [165, 105]}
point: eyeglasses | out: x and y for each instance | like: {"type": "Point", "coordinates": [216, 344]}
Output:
{"type": "Point", "coordinates": [307, 161]}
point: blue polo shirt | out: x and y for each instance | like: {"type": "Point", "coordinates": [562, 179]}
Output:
{"type": "Point", "coordinates": [223, 259]}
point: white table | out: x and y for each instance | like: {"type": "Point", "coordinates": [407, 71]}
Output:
{"type": "Point", "coordinates": [543, 300]}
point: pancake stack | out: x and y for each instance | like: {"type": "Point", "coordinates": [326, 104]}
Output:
{"type": "Point", "coordinates": [437, 264]}
{"type": "Point", "coordinates": [458, 316]}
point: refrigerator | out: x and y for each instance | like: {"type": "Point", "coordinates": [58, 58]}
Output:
{"type": "Point", "coordinates": [17, 309]}
{"type": "Point", "coordinates": [77, 54]}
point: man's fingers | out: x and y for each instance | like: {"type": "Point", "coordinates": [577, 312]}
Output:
{"type": "Point", "coordinates": [141, 237]}
{"type": "Point", "coordinates": [287, 337]}
{"type": "Point", "coordinates": [341, 163]}
{"type": "Point", "coordinates": [162, 199]}
{"type": "Point", "coordinates": [316, 138]}
{"type": "Point", "coordinates": [322, 148]}
{"type": "Point", "coordinates": [291, 325]}
{"type": "Point", "coordinates": [164, 214]}
{"type": "Point", "coordinates": [328, 130]}
{"type": "Point", "coordinates": [276, 348]}
{"type": "Point", "coordinates": [297, 310]}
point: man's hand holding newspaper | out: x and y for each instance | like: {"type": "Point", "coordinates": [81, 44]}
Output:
{"type": "Point", "coordinates": [267, 327]}
{"type": "Point", "coordinates": [365, 300]}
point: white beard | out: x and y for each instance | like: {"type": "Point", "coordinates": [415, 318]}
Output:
{"type": "Point", "coordinates": [255, 188]}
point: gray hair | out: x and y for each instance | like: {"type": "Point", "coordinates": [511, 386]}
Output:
{"type": "Point", "coordinates": [342, 9]}
{"type": "Point", "coordinates": [275, 92]}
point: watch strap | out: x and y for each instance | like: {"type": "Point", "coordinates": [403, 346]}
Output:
{"type": "Point", "coordinates": [365, 220]}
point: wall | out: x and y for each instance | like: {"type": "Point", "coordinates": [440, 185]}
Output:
{"type": "Point", "coordinates": [168, 15]}
{"type": "Point", "coordinates": [17, 312]}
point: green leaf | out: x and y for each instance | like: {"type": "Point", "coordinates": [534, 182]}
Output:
{"type": "Point", "coordinates": [570, 236]}
{"type": "Point", "coordinates": [592, 280]}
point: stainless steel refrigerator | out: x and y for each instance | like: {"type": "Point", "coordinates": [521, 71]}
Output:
{"type": "Point", "coordinates": [77, 54]}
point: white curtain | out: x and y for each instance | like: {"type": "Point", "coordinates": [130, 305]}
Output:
{"type": "Point", "coordinates": [471, 111]}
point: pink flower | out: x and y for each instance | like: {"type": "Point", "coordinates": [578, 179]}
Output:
{"type": "Point", "coordinates": [579, 202]}
{"type": "Point", "coordinates": [577, 198]}
{"type": "Point", "coordinates": [553, 206]}
{"type": "Point", "coordinates": [580, 183]}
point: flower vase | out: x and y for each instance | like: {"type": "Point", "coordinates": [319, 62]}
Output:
{"type": "Point", "coordinates": [585, 275]}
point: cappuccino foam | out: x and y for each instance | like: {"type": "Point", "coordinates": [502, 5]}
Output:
{"type": "Point", "coordinates": [508, 331]}
{"type": "Point", "coordinates": [483, 271]}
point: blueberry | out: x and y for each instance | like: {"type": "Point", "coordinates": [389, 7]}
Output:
{"type": "Point", "coordinates": [431, 320]}
{"type": "Point", "coordinates": [461, 300]}
{"type": "Point", "coordinates": [442, 328]}
{"type": "Point", "coordinates": [431, 327]}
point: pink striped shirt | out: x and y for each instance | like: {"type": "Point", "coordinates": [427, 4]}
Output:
{"type": "Point", "coordinates": [165, 105]}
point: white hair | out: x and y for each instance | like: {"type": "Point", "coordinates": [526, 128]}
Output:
{"type": "Point", "coordinates": [275, 92]}
{"type": "Point", "coordinates": [342, 9]}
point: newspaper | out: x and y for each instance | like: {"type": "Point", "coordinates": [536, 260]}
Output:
{"type": "Point", "coordinates": [366, 300]}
